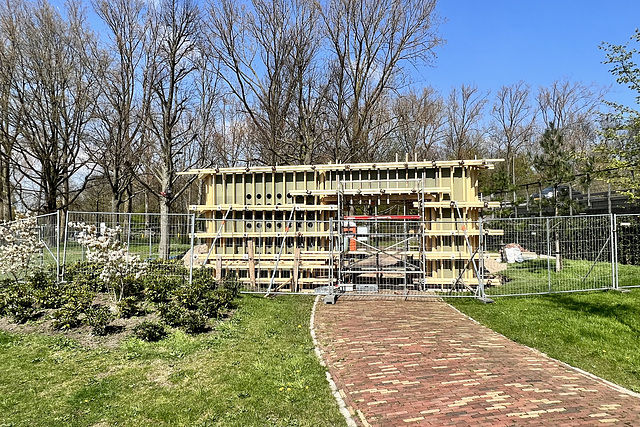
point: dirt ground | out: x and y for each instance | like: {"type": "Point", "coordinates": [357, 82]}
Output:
{"type": "Point", "coordinates": [118, 330]}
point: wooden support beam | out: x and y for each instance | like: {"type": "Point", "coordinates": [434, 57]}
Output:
{"type": "Point", "coordinates": [219, 267]}
{"type": "Point", "coordinates": [252, 264]}
{"type": "Point", "coordinates": [296, 269]}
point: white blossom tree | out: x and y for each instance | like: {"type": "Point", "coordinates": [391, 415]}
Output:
{"type": "Point", "coordinates": [112, 255]}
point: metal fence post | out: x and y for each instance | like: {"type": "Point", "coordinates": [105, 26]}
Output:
{"type": "Point", "coordinates": [64, 248]}
{"type": "Point", "coordinates": [58, 246]}
{"type": "Point", "coordinates": [191, 252]}
{"type": "Point", "coordinates": [549, 254]}
{"type": "Point", "coordinates": [614, 251]}
{"type": "Point", "coordinates": [482, 295]}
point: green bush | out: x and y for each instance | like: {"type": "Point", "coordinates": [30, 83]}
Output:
{"type": "Point", "coordinates": [66, 317]}
{"type": "Point", "coordinates": [85, 274]}
{"type": "Point", "coordinates": [191, 306]}
{"type": "Point", "coordinates": [77, 298]}
{"type": "Point", "coordinates": [129, 307]}
{"type": "Point", "coordinates": [20, 302]}
{"type": "Point", "coordinates": [48, 292]}
{"type": "Point", "coordinates": [194, 321]}
{"type": "Point", "coordinates": [172, 313]}
{"type": "Point", "coordinates": [176, 315]}
{"type": "Point", "coordinates": [159, 287]}
{"type": "Point", "coordinates": [149, 331]}
{"type": "Point", "coordinates": [99, 317]}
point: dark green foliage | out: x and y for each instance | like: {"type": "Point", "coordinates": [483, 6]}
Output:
{"type": "Point", "coordinates": [172, 313]}
{"type": "Point", "coordinates": [99, 317]}
{"type": "Point", "coordinates": [129, 307]}
{"type": "Point", "coordinates": [194, 321]}
{"type": "Point", "coordinates": [178, 303]}
{"type": "Point", "coordinates": [87, 274]}
{"type": "Point", "coordinates": [191, 320]}
{"type": "Point", "coordinates": [49, 293]}
{"type": "Point", "coordinates": [20, 302]}
{"type": "Point", "coordinates": [158, 288]}
{"type": "Point", "coordinates": [150, 331]}
{"type": "Point", "coordinates": [77, 298]}
{"type": "Point", "coordinates": [190, 306]}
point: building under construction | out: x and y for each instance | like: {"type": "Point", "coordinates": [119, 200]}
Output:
{"type": "Point", "coordinates": [401, 226]}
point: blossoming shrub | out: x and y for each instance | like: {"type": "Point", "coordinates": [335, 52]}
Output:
{"type": "Point", "coordinates": [117, 266]}
{"type": "Point", "coordinates": [19, 243]}
{"type": "Point", "coordinates": [134, 288]}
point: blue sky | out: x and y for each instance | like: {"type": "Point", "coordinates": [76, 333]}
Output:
{"type": "Point", "coordinates": [498, 42]}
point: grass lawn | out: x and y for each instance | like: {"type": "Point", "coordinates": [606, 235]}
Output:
{"type": "Point", "coordinates": [257, 369]}
{"type": "Point", "coordinates": [598, 332]}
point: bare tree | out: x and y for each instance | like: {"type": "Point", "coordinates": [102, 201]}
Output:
{"type": "Point", "coordinates": [56, 100]}
{"type": "Point", "coordinates": [513, 126]}
{"type": "Point", "coordinates": [10, 13]}
{"type": "Point", "coordinates": [371, 42]}
{"type": "Point", "coordinates": [419, 123]}
{"type": "Point", "coordinates": [117, 134]}
{"type": "Point", "coordinates": [573, 108]}
{"type": "Point", "coordinates": [171, 54]}
{"type": "Point", "coordinates": [267, 53]}
{"type": "Point", "coordinates": [463, 134]}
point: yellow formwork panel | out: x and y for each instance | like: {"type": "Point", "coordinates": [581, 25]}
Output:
{"type": "Point", "coordinates": [252, 207]}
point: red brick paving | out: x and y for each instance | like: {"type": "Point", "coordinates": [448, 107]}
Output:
{"type": "Point", "coordinates": [400, 363]}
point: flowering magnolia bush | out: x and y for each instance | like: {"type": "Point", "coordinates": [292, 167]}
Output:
{"type": "Point", "coordinates": [19, 242]}
{"type": "Point", "coordinates": [107, 250]}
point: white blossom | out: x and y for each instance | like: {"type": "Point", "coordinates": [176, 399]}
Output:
{"type": "Point", "coordinates": [111, 254]}
{"type": "Point", "coordinates": [19, 242]}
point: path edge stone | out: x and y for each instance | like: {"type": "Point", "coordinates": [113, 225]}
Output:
{"type": "Point", "coordinates": [334, 389]}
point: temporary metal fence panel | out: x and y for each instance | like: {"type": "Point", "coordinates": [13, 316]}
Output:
{"type": "Point", "coordinates": [627, 239]}
{"type": "Point", "coordinates": [365, 257]}
{"type": "Point", "coordinates": [49, 233]}
{"type": "Point", "coordinates": [527, 256]}
{"type": "Point", "coordinates": [46, 229]}
{"type": "Point", "coordinates": [453, 253]}
{"type": "Point", "coordinates": [140, 233]}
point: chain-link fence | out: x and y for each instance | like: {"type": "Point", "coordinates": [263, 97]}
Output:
{"type": "Point", "coordinates": [407, 257]}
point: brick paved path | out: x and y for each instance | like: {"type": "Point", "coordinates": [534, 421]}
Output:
{"type": "Point", "coordinates": [400, 363]}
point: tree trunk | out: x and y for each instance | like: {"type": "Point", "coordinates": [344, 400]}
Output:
{"type": "Point", "coordinates": [115, 204]}
{"type": "Point", "coordinates": [165, 244]}
{"type": "Point", "coordinates": [5, 193]}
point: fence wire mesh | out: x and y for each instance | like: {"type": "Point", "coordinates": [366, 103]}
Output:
{"type": "Point", "coordinates": [139, 233]}
{"type": "Point", "coordinates": [627, 250]}
{"type": "Point", "coordinates": [547, 255]}
{"type": "Point", "coordinates": [381, 256]}
{"type": "Point", "coordinates": [262, 252]}
{"type": "Point", "coordinates": [492, 257]}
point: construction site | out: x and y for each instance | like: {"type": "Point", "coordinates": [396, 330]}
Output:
{"type": "Point", "coordinates": [400, 227]}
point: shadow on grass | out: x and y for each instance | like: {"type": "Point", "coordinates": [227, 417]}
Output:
{"type": "Point", "coordinates": [601, 305]}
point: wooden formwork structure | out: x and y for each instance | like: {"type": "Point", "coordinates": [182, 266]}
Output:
{"type": "Point", "coordinates": [287, 228]}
